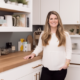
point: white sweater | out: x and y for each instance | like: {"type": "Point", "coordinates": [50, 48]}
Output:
{"type": "Point", "coordinates": [54, 57]}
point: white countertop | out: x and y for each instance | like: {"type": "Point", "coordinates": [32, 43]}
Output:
{"type": "Point", "coordinates": [75, 51]}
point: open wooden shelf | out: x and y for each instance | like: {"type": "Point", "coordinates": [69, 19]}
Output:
{"type": "Point", "coordinates": [13, 8]}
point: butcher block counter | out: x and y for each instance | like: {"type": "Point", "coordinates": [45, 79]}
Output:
{"type": "Point", "coordinates": [16, 59]}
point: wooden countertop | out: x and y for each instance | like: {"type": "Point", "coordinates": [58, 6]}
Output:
{"type": "Point", "coordinates": [16, 59]}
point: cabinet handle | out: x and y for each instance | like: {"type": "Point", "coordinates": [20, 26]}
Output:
{"type": "Point", "coordinates": [36, 76]}
{"type": "Point", "coordinates": [39, 75]}
{"type": "Point", "coordinates": [77, 21]}
{"type": "Point", "coordinates": [37, 66]}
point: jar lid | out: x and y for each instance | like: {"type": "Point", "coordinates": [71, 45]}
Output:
{"type": "Point", "coordinates": [24, 42]}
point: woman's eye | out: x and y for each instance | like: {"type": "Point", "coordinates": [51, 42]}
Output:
{"type": "Point", "coordinates": [51, 18]}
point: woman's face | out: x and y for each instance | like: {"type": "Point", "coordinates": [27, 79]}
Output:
{"type": "Point", "coordinates": [53, 20]}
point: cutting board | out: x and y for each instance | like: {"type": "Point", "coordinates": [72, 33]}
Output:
{"type": "Point", "coordinates": [30, 39]}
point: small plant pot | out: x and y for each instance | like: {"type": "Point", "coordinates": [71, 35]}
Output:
{"type": "Point", "coordinates": [20, 4]}
{"type": "Point", "coordinates": [71, 33]}
{"type": "Point", "coordinates": [25, 5]}
{"type": "Point", "coordinates": [8, 2]}
{"type": "Point", "coordinates": [13, 3]}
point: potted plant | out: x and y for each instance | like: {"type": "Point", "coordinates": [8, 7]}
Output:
{"type": "Point", "coordinates": [12, 2]}
{"type": "Point", "coordinates": [8, 2]}
{"type": "Point", "coordinates": [20, 2]}
{"type": "Point", "coordinates": [25, 3]}
{"type": "Point", "coordinates": [71, 31]}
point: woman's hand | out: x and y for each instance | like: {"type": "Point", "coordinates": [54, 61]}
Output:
{"type": "Point", "coordinates": [64, 67]}
{"type": "Point", "coordinates": [66, 64]}
{"type": "Point", "coordinates": [31, 56]}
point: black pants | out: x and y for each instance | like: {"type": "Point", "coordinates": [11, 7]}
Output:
{"type": "Point", "coordinates": [46, 74]}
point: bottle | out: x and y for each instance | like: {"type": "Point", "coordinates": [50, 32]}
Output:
{"type": "Point", "coordinates": [25, 46]}
{"type": "Point", "coordinates": [27, 21]}
{"type": "Point", "coordinates": [29, 46]}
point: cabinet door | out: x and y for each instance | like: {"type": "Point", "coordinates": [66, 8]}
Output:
{"type": "Point", "coordinates": [27, 77]}
{"type": "Point", "coordinates": [46, 6]}
{"type": "Point", "coordinates": [69, 11]}
{"type": "Point", "coordinates": [36, 12]}
{"type": "Point", "coordinates": [32, 76]}
{"type": "Point", "coordinates": [37, 75]}
{"type": "Point", "coordinates": [73, 72]}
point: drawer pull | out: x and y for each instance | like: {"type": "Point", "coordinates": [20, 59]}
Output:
{"type": "Point", "coordinates": [39, 76]}
{"type": "Point", "coordinates": [36, 76]}
{"type": "Point", "coordinates": [37, 66]}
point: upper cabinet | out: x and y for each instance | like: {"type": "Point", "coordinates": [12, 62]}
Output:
{"type": "Point", "coordinates": [24, 22]}
{"type": "Point", "coordinates": [46, 6]}
{"type": "Point", "coordinates": [36, 12]}
{"type": "Point", "coordinates": [70, 11]}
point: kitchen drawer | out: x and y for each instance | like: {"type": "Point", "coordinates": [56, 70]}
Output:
{"type": "Point", "coordinates": [75, 58]}
{"type": "Point", "coordinates": [21, 71]}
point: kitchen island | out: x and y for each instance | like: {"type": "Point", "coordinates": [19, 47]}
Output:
{"type": "Point", "coordinates": [15, 63]}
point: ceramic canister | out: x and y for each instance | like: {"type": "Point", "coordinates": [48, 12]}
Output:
{"type": "Point", "coordinates": [19, 45]}
{"type": "Point", "coordinates": [2, 1]}
{"type": "Point", "coordinates": [9, 20]}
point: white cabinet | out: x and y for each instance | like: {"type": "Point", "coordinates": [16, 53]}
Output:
{"type": "Point", "coordinates": [27, 77]}
{"type": "Point", "coordinates": [25, 71]}
{"type": "Point", "coordinates": [36, 12]}
{"type": "Point", "coordinates": [46, 6]}
{"type": "Point", "coordinates": [32, 76]}
{"type": "Point", "coordinates": [70, 11]}
{"type": "Point", "coordinates": [37, 75]}
{"type": "Point", "coordinates": [73, 72]}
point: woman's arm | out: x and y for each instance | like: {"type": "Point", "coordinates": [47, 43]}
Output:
{"type": "Point", "coordinates": [68, 48]}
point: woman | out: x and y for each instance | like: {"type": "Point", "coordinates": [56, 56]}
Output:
{"type": "Point", "coordinates": [56, 46]}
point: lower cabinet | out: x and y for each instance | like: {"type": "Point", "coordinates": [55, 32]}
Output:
{"type": "Point", "coordinates": [30, 71]}
{"type": "Point", "coordinates": [73, 72]}
{"type": "Point", "coordinates": [27, 77]}
{"type": "Point", "coordinates": [37, 75]}
{"type": "Point", "coordinates": [32, 76]}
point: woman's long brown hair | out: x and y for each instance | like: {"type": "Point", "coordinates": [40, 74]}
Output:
{"type": "Point", "coordinates": [60, 33]}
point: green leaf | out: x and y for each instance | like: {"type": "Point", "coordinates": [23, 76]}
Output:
{"type": "Point", "coordinates": [13, 0]}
